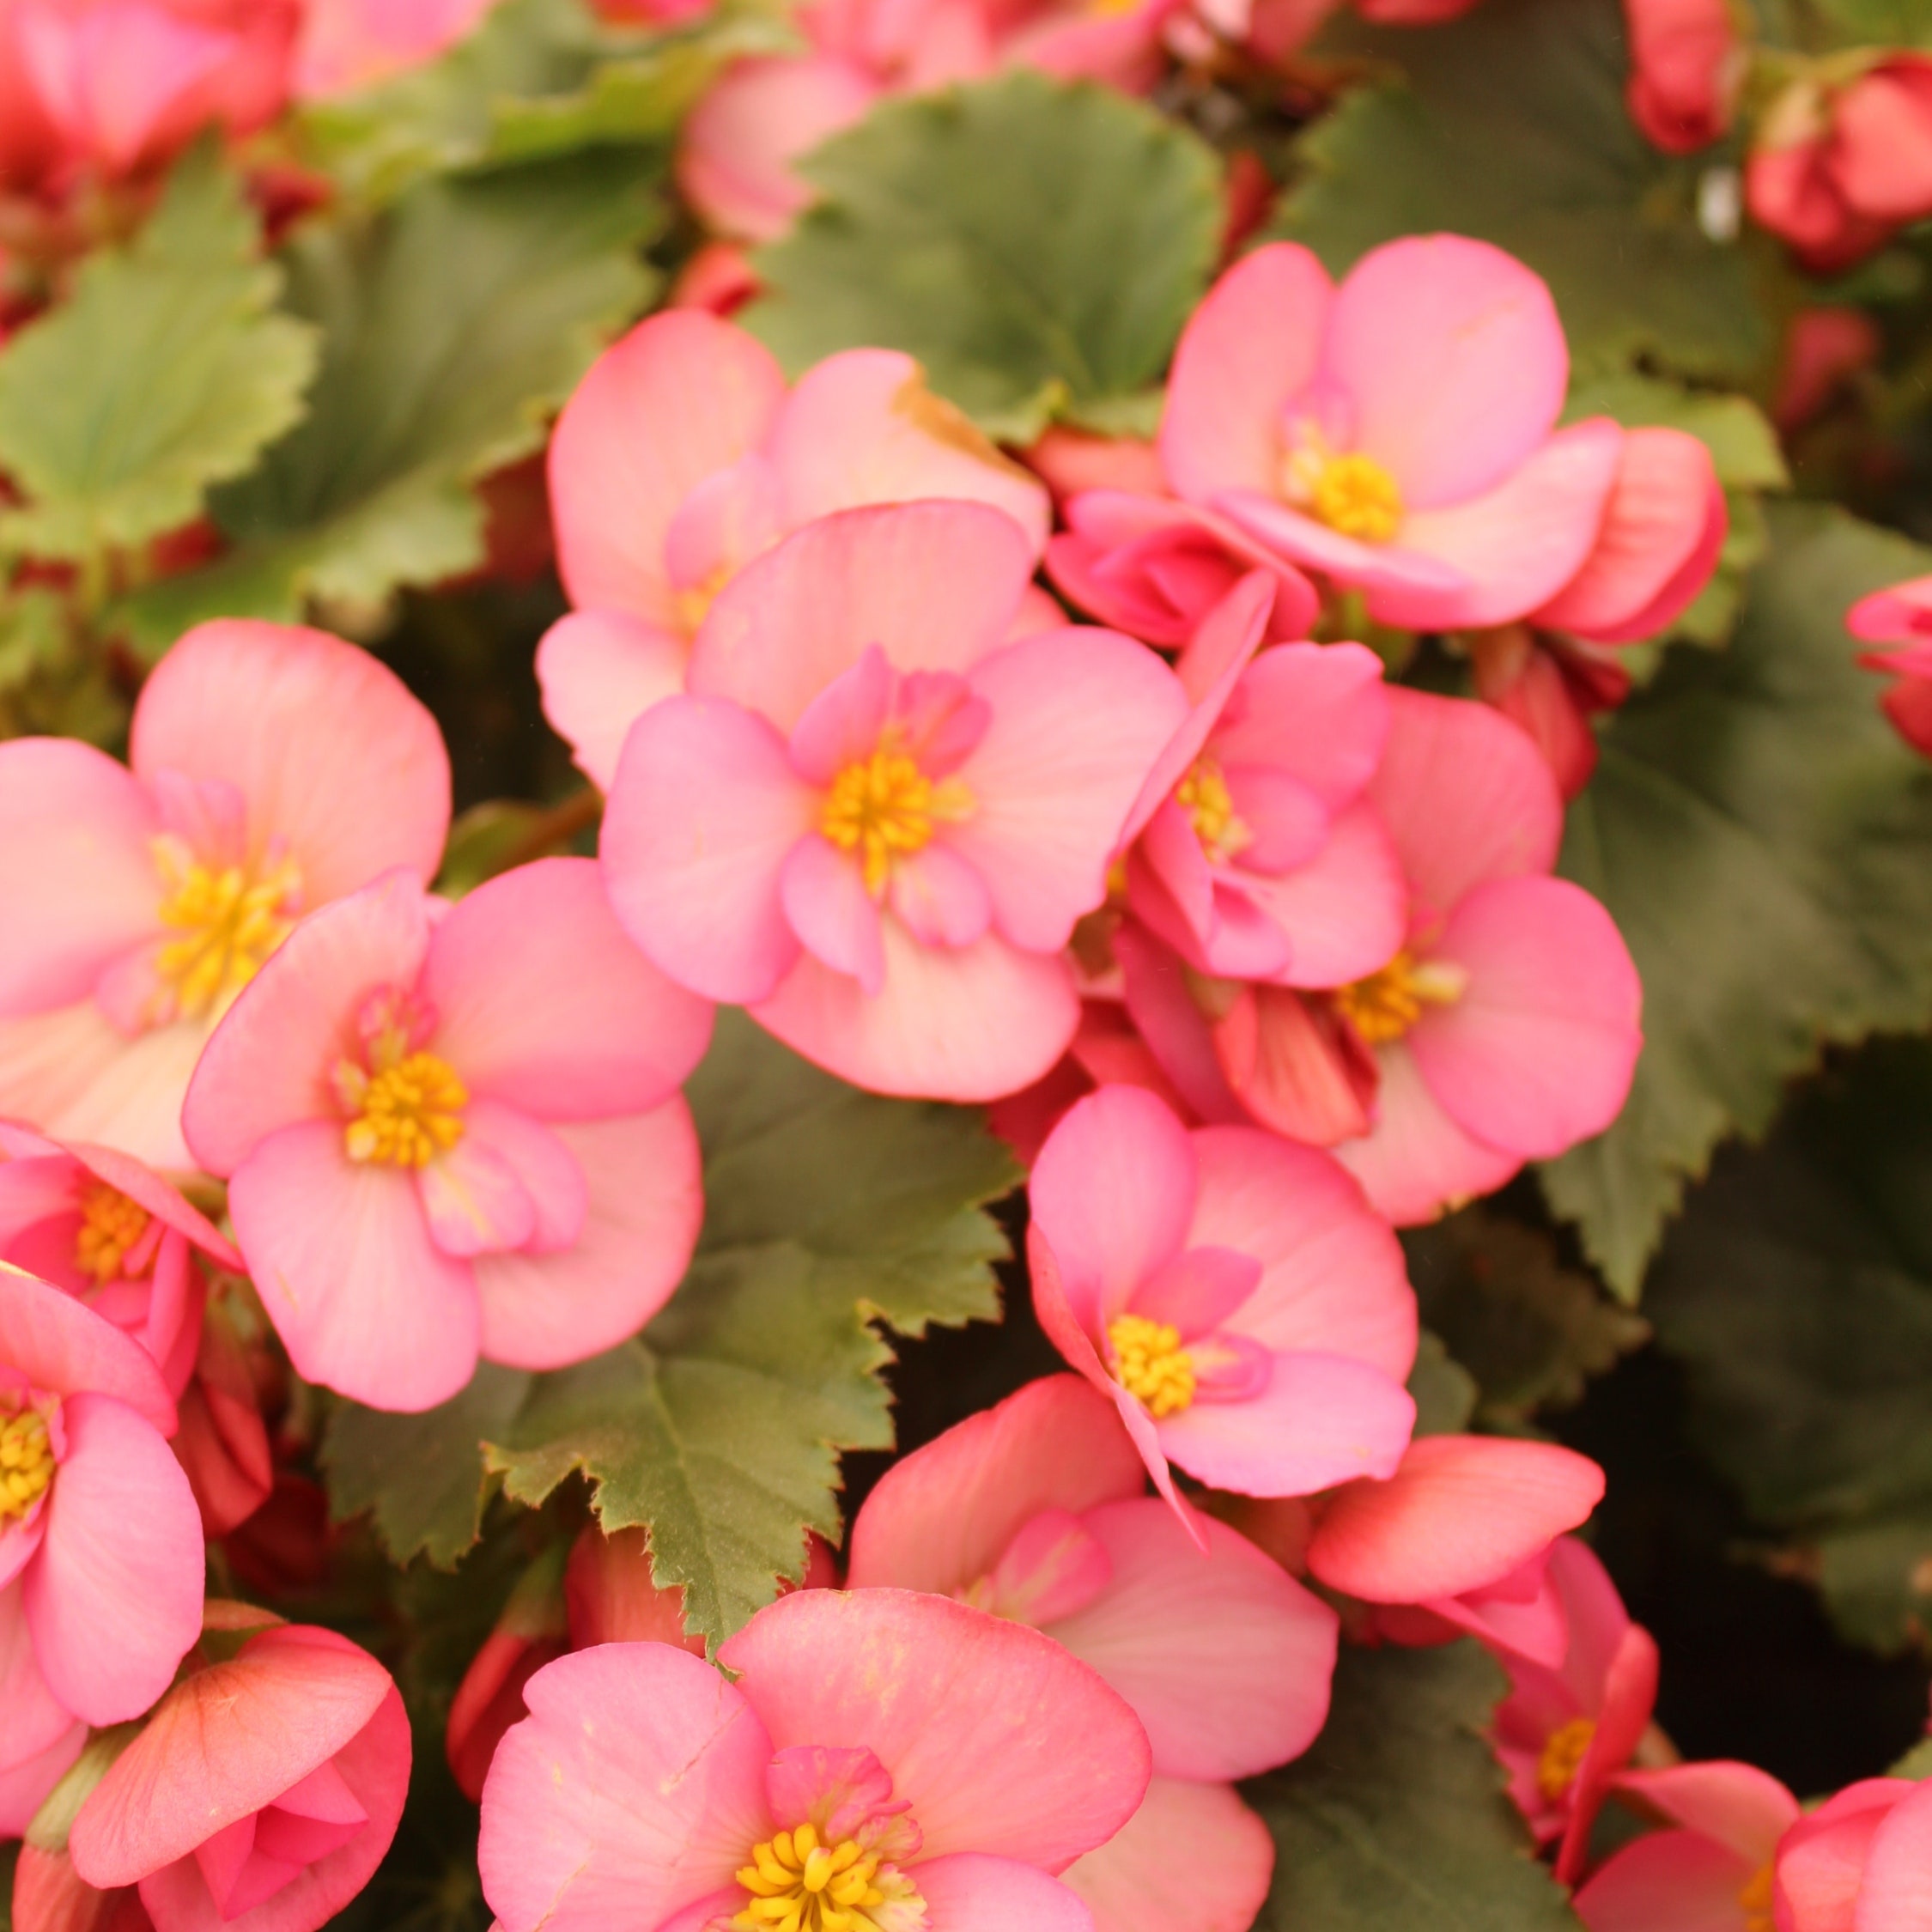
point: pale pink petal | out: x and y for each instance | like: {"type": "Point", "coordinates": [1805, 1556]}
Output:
{"type": "Point", "coordinates": [113, 1598]}
{"type": "Point", "coordinates": [1738, 1805]}
{"type": "Point", "coordinates": [1250, 348]}
{"type": "Point", "coordinates": [329, 751]}
{"type": "Point", "coordinates": [1135, 1883]}
{"type": "Point", "coordinates": [998, 1740]}
{"type": "Point", "coordinates": [720, 527]}
{"type": "Point", "coordinates": [341, 1256]}
{"type": "Point", "coordinates": [1199, 1290]}
{"type": "Point", "coordinates": [599, 672]}
{"type": "Point", "coordinates": [61, 1345]}
{"type": "Point", "coordinates": [842, 723]}
{"type": "Point", "coordinates": [837, 919]}
{"type": "Point", "coordinates": [268, 1064]}
{"type": "Point", "coordinates": [1821, 1862]}
{"type": "Point", "coordinates": [167, 1206]}
{"type": "Point", "coordinates": [968, 1891]}
{"type": "Point", "coordinates": [645, 1200]}
{"type": "Point", "coordinates": [939, 898]}
{"type": "Point", "coordinates": [1317, 711]}
{"type": "Point", "coordinates": [1344, 913]}
{"type": "Point", "coordinates": [542, 1002]}
{"type": "Point", "coordinates": [1897, 1893]}
{"type": "Point", "coordinates": [25, 1783]}
{"type": "Point", "coordinates": [39, 1728]}
{"type": "Point", "coordinates": [705, 808]}
{"type": "Point", "coordinates": [1670, 1881]}
{"type": "Point", "coordinates": [682, 396]}
{"type": "Point", "coordinates": [473, 1196]}
{"type": "Point", "coordinates": [1383, 569]}
{"type": "Point", "coordinates": [1453, 359]}
{"type": "Point", "coordinates": [1223, 1656]}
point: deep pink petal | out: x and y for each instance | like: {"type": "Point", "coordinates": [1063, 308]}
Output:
{"type": "Point", "coordinates": [1821, 1862]}
{"type": "Point", "coordinates": [1298, 1069]}
{"type": "Point", "coordinates": [599, 672]}
{"type": "Point", "coordinates": [835, 918]}
{"type": "Point", "coordinates": [1173, 1028]}
{"type": "Point", "coordinates": [968, 1891]}
{"type": "Point", "coordinates": [1737, 1805]}
{"type": "Point", "coordinates": [1897, 1893]}
{"type": "Point", "coordinates": [1629, 1695]}
{"type": "Point", "coordinates": [61, 1345]}
{"type": "Point", "coordinates": [1318, 712]}
{"type": "Point", "coordinates": [165, 1203]}
{"type": "Point", "coordinates": [1135, 1883]}
{"type": "Point", "coordinates": [1345, 912]}
{"type": "Point", "coordinates": [1670, 1881]}
{"type": "Point", "coordinates": [1893, 616]}
{"type": "Point", "coordinates": [1199, 1290]}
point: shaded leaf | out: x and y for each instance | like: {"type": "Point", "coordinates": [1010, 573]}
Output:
{"type": "Point", "coordinates": [1445, 1392]}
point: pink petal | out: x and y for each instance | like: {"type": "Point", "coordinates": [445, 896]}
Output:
{"type": "Point", "coordinates": [59, 1345]}
{"type": "Point", "coordinates": [1821, 1862]}
{"type": "Point", "coordinates": [1894, 615]}
{"type": "Point", "coordinates": [998, 1740]}
{"type": "Point", "coordinates": [24, 1785]}
{"type": "Point", "coordinates": [682, 395]}
{"type": "Point", "coordinates": [1250, 348]}
{"type": "Point", "coordinates": [1739, 1806]}
{"type": "Point", "coordinates": [114, 1596]}
{"type": "Point", "coordinates": [645, 1200]}
{"type": "Point", "coordinates": [1344, 913]}
{"type": "Point", "coordinates": [941, 1518]}
{"type": "Point", "coordinates": [473, 1196]}
{"type": "Point", "coordinates": [1134, 1883]}
{"type": "Point", "coordinates": [340, 1251]}
{"type": "Point", "coordinates": [1670, 1881]}
{"type": "Point", "coordinates": [1173, 1028]}
{"type": "Point", "coordinates": [705, 808]}
{"type": "Point", "coordinates": [970, 1892]}
{"type": "Point", "coordinates": [165, 1203]}
{"type": "Point", "coordinates": [837, 919]}
{"type": "Point", "coordinates": [599, 672]}
{"type": "Point", "coordinates": [725, 522]}
{"type": "Point", "coordinates": [1199, 1290]}
{"type": "Point", "coordinates": [862, 427]}
{"type": "Point", "coordinates": [1897, 1889]}
{"type": "Point", "coordinates": [269, 1062]}
{"type": "Point", "coordinates": [1318, 712]}
{"type": "Point", "coordinates": [39, 1728]}
{"type": "Point", "coordinates": [499, 964]}
{"type": "Point", "coordinates": [635, 1788]}
{"type": "Point", "coordinates": [329, 750]}
{"type": "Point", "coordinates": [1629, 1695]}
{"type": "Point", "coordinates": [939, 898]}
{"type": "Point", "coordinates": [1298, 1070]}
{"type": "Point", "coordinates": [1451, 352]}
{"type": "Point", "coordinates": [1539, 1051]}
{"type": "Point", "coordinates": [842, 723]}
{"type": "Point", "coordinates": [1461, 1512]}
{"type": "Point", "coordinates": [1224, 1658]}
{"type": "Point", "coordinates": [933, 585]}
{"type": "Point", "coordinates": [1385, 570]}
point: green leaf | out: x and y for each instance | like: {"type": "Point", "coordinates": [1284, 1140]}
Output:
{"type": "Point", "coordinates": [1797, 1291]}
{"type": "Point", "coordinates": [453, 324]}
{"type": "Point", "coordinates": [1764, 843]}
{"type": "Point", "coordinates": [1395, 1820]}
{"type": "Point", "coordinates": [1510, 126]}
{"type": "Point", "coordinates": [1445, 1392]}
{"type": "Point", "coordinates": [165, 370]}
{"type": "Point", "coordinates": [1916, 1763]}
{"type": "Point", "coordinates": [1036, 245]}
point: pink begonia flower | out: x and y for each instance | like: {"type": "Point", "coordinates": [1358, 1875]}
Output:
{"type": "Point", "coordinates": [350, 43]}
{"type": "Point", "coordinates": [1902, 616]}
{"type": "Point", "coordinates": [1255, 855]}
{"type": "Point", "coordinates": [1396, 435]}
{"type": "Point", "coordinates": [273, 769]}
{"type": "Point", "coordinates": [263, 1792]}
{"type": "Point", "coordinates": [1687, 66]}
{"type": "Point", "coordinates": [1861, 1863]}
{"type": "Point", "coordinates": [1234, 1295]}
{"type": "Point", "coordinates": [916, 1759]}
{"type": "Point", "coordinates": [1711, 1870]}
{"type": "Point", "coordinates": [1562, 1734]}
{"type": "Point", "coordinates": [101, 1544]}
{"type": "Point", "coordinates": [1550, 687]}
{"type": "Point", "coordinates": [454, 1132]}
{"type": "Point", "coordinates": [682, 456]}
{"type": "Point", "coordinates": [874, 821]}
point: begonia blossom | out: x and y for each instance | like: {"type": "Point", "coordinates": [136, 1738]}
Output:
{"type": "Point", "coordinates": [873, 820]}
{"type": "Point", "coordinates": [682, 456]}
{"type": "Point", "coordinates": [270, 770]}
{"type": "Point", "coordinates": [893, 1758]}
{"type": "Point", "coordinates": [1687, 66]}
{"type": "Point", "coordinates": [1551, 688]}
{"type": "Point", "coordinates": [1901, 615]}
{"type": "Point", "coordinates": [1861, 1863]}
{"type": "Point", "coordinates": [434, 1152]}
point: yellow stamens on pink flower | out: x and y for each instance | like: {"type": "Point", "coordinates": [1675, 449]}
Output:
{"type": "Point", "coordinates": [229, 920]}
{"type": "Point", "coordinates": [1386, 1004]}
{"type": "Point", "coordinates": [797, 1883]}
{"type": "Point", "coordinates": [405, 1113]}
{"type": "Point", "coordinates": [1564, 1752]}
{"type": "Point", "coordinates": [1150, 1364]}
{"type": "Point", "coordinates": [883, 807]}
{"type": "Point", "coordinates": [1352, 494]}
{"type": "Point", "coordinates": [1756, 1898]}
{"type": "Point", "coordinates": [26, 1462]}
{"type": "Point", "coordinates": [1203, 794]}
{"type": "Point", "coordinates": [112, 1226]}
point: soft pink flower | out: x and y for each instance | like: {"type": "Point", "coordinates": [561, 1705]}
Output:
{"type": "Point", "coordinates": [873, 820]}
{"type": "Point", "coordinates": [1687, 64]}
{"type": "Point", "coordinates": [1396, 435]}
{"type": "Point", "coordinates": [101, 1544]}
{"type": "Point", "coordinates": [1233, 1294]}
{"type": "Point", "coordinates": [682, 456]}
{"type": "Point", "coordinates": [1902, 616]}
{"type": "Point", "coordinates": [1711, 1870]}
{"type": "Point", "coordinates": [942, 1765]}
{"type": "Point", "coordinates": [1861, 1863]}
{"type": "Point", "coordinates": [1564, 1734]}
{"type": "Point", "coordinates": [455, 1131]}
{"type": "Point", "coordinates": [350, 43]}
{"type": "Point", "coordinates": [263, 1792]}
{"type": "Point", "coordinates": [273, 769]}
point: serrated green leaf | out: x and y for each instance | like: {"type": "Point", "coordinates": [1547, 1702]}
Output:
{"type": "Point", "coordinates": [1764, 842]}
{"type": "Point", "coordinates": [1036, 245]}
{"type": "Point", "coordinates": [1445, 1392]}
{"type": "Point", "coordinates": [165, 370]}
{"type": "Point", "coordinates": [1510, 126]}
{"type": "Point", "coordinates": [1396, 1820]}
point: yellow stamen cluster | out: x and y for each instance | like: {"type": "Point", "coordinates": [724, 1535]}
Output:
{"type": "Point", "coordinates": [797, 1884]}
{"type": "Point", "coordinates": [228, 921]}
{"type": "Point", "coordinates": [1150, 1363]}
{"type": "Point", "coordinates": [1562, 1757]}
{"type": "Point", "coordinates": [883, 807]}
{"type": "Point", "coordinates": [26, 1462]}
{"type": "Point", "coordinates": [408, 1112]}
{"type": "Point", "coordinates": [1755, 1899]}
{"type": "Point", "coordinates": [1386, 1004]}
{"type": "Point", "coordinates": [1203, 794]}
{"type": "Point", "coordinates": [111, 1226]}
{"type": "Point", "coordinates": [1357, 496]}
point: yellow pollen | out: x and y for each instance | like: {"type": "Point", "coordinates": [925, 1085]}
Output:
{"type": "Point", "coordinates": [110, 1225]}
{"type": "Point", "coordinates": [26, 1462]}
{"type": "Point", "coordinates": [795, 1883]}
{"type": "Point", "coordinates": [1357, 496]}
{"type": "Point", "coordinates": [410, 1113]}
{"type": "Point", "coordinates": [229, 924]}
{"type": "Point", "coordinates": [1150, 1363]}
{"type": "Point", "coordinates": [1563, 1757]}
{"type": "Point", "coordinates": [883, 807]}
{"type": "Point", "coordinates": [1203, 795]}
{"type": "Point", "coordinates": [1386, 1004]}
{"type": "Point", "coordinates": [1756, 1901]}
{"type": "Point", "coordinates": [694, 605]}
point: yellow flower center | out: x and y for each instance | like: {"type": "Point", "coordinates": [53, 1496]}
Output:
{"type": "Point", "coordinates": [1151, 1363]}
{"type": "Point", "coordinates": [1203, 795]}
{"type": "Point", "coordinates": [1563, 1757]}
{"type": "Point", "coordinates": [26, 1462]}
{"type": "Point", "coordinates": [694, 603]}
{"type": "Point", "coordinates": [1353, 494]}
{"type": "Point", "coordinates": [1756, 1901]}
{"type": "Point", "coordinates": [110, 1225]}
{"type": "Point", "coordinates": [1386, 1004]}
{"type": "Point", "coordinates": [883, 807]}
{"type": "Point", "coordinates": [407, 1114]}
{"type": "Point", "coordinates": [797, 1884]}
{"type": "Point", "coordinates": [228, 922]}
